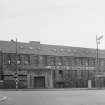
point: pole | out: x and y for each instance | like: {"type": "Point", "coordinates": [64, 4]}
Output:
{"type": "Point", "coordinates": [1, 66]}
{"type": "Point", "coordinates": [96, 72]}
{"type": "Point", "coordinates": [97, 56]}
{"type": "Point", "coordinates": [16, 67]}
{"type": "Point", "coordinates": [1, 70]}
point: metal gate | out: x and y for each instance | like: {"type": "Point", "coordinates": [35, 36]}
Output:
{"type": "Point", "coordinates": [39, 82]}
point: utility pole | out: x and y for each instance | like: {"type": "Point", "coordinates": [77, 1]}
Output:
{"type": "Point", "coordinates": [16, 73]}
{"type": "Point", "coordinates": [97, 57]}
{"type": "Point", "coordinates": [1, 70]}
{"type": "Point", "coordinates": [16, 66]}
{"type": "Point", "coordinates": [97, 52]}
{"type": "Point", "coordinates": [97, 60]}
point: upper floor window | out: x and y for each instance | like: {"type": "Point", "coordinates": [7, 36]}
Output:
{"type": "Point", "coordinates": [102, 62]}
{"type": "Point", "coordinates": [92, 62]}
{"type": "Point", "coordinates": [59, 61]}
{"type": "Point", "coordinates": [76, 61]}
{"type": "Point", "coordinates": [42, 59]}
{"type": "Point", "coordinates": [12, 59]}
{"type": "Point", "coordinates": [51, 60]}
{"type": "Point", "coordinates": [67, 61]}
{"type": "Point", "coordinates": [7, 59]}
{"type": "Point", "coordinates": [84, 61]}
{"type": "Point", "coordinates": [25, 59]}
{"type": "Point", "coordinates": [18, 59]}
{"type": "Point", "coordinates": [35, 60]}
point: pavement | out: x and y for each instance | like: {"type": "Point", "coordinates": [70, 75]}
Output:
{"type": "Point", "coordinates": [2, 98]}
{"type": "Point", "coordinates": [53, 89]}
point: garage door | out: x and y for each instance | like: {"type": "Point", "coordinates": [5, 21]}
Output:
{"type": "Point", "coordinates": [39, 82]}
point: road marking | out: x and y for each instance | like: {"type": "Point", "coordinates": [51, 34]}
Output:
{"type": "Point", "coordinates": [3, 98]}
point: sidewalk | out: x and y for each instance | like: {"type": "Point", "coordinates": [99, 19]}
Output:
{"type": "Point", "coordinates": [2, 98]}
{"type": "Point", "coordinates": [54, 89]}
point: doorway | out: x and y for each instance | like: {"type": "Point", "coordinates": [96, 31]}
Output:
{"type": "Point", "coordinates": [39, 82]}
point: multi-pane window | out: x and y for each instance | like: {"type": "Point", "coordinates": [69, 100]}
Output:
{"type": "Point", "coordinates": [51, 60]}
{"type": "Point", "coordinates": [13, 58]}
{"type": "Point", "coordinates": [25, 59]}
{"type": "Point", "coordinates": [102, 62]}
{"type": "Point", "coordinates": [36, 60]}
{"type": "Point", "coordinates": [92, 62]}
{"type": "Point", "coordinates": [18, 59]}
{"type": "Point", "coordinates": [59, 61]}
{"type": "Point", "coordinates": [81, 62]}
{"type": "Point", "coordinates": [67, 61]}
{"type": "Point", "coordinates": [42, 60]}
{"type": "Point", "coordinates": [7, 58]}
{"type": "Point", "coordinates": [76, 61]}
{"type": "Point", "coordinates": [86, 62]}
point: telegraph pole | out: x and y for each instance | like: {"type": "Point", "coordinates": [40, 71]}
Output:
{"type": "Point", "coordinates": [1, 70]}
{"type": "Point", "coordinates": [16, 78]}
{"type": "Point", "coordinates": [97, 63]}
{"type": "Point", "coordinates": [97, 52]}
{"type": "Point", "coordinates": [97, 58]}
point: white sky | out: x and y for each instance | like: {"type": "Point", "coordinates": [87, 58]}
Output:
{"type": "Point", "coordinates": [61, 22]}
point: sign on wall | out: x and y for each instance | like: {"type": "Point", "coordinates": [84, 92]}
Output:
{"type": "Point", "coordinates": [69, 68]}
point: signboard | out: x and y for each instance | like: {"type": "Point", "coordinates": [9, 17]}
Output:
{"type": "Point", "coordinates": [83, 68]}
{"type": "Point", "coordinates": [100, 74]}
{"type": "Point", "coordinates": [13, 72]}
{"type": "Point", "coordinates": [69, 68]}
{"type": "Point", "coordinates": [59, 67]}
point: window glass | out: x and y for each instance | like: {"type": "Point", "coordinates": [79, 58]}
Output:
{"type": "Point", "coordinates": [7, 59]}
{"type": "Point", "coordinates": [59, 61]}
{"type": "Point", "coordinates": [51, 60]}
{"type": "Point", "coordinates": [25, 59]}
{"type": "Point", "coordinates": [67, 61]}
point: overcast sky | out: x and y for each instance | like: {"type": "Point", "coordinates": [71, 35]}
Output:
{"type": "Point", "coordinates": [61, 22]}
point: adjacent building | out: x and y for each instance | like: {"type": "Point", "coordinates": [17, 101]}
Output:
{"type": "Point", "coordinates": [50, 66]}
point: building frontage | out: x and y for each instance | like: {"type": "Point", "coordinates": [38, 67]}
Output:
{"type": "Point", "coordinates": [49, 66]}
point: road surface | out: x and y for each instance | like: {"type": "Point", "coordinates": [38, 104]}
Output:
{"type": "Point", "coordinates": [67, 97]}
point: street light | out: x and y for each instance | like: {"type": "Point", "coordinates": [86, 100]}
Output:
{"type": "Point", "coordinates": [16, 73]}
{"type": "Point", "coordinates": [97, 54]}
{"type": "Point", "coordinates": [1, 70]}
{"type": "Point", "coordinates": [97, 58]}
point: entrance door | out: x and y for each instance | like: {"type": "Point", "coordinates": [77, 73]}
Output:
{"type": "Point", "coordinates": [39, 82]}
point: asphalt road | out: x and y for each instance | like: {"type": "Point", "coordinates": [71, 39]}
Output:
{"type": "Point", "coordinates": [67, 97]}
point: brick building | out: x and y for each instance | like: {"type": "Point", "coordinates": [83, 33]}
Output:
{"type": "Point", "coordinates": [50, 66]}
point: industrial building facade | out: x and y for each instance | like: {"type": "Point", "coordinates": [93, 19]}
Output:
{"type": "Point", "coordinates": [50, 66]}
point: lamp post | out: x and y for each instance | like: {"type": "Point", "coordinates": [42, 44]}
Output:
{"type": "Point", "coordinates": [97, 56]}
{"type": "Point", "coordinates": [97, 51]}
{"type": "Point", "coordinates": [1, 70]}
{"type": "Point", "coordinates": [16, 73]}
{"type": "Point", "coordinates": [16, 66]}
